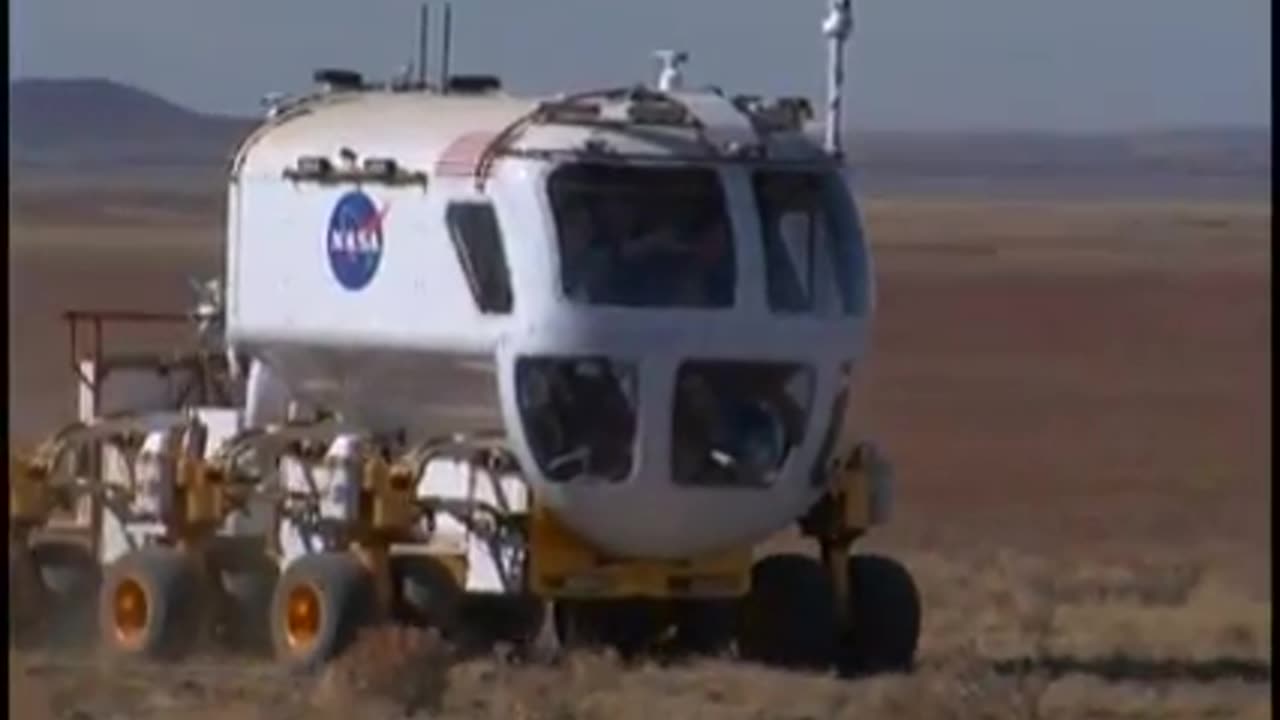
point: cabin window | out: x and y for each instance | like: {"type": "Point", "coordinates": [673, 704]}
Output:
{"type": "Point", "coordinates": [643, 237]}
{"type": "Point", "coordinates": [579, 416]}
{"type": "Point", "coordinates": [477, 238]}
{"type": "Point", "coordinates": [736, 423]}
{"type": "Point", "coordinates": [815, 257]}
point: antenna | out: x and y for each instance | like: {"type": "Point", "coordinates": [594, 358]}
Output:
{"type": "Point", "coordinates": [423, 25]}
{"type": "Point", "coordinates": [403, 79]}
{"type": "Point", "coordinates": [670, 78]}
{"type": "Point", "coordinates": [272, 103]}
{"type": "Point", "coordinates": [444, 53]}
{"type": "Point", "coordinates": [837, 28]}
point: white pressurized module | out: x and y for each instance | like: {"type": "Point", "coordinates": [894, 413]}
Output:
{"type": "Point", "coordinates": [585, 274]}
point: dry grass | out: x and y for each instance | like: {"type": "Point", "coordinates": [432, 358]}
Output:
{"type": "Point", "coordinates": [1008, 636]}
{"type": "Point", "coordinates": [1077, 397]}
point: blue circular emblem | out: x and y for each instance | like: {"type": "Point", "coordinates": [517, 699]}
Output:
{"type": "Point", "coordinates": [354, 240]}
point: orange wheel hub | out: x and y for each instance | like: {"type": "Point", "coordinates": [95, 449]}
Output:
{"type": "Point", "coordinates": [302, 619]}
{"type": "Point", "coordinates": [131, 611]}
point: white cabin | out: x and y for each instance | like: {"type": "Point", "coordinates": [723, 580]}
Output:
{"type": "Point", "coordinates": [656, 295]}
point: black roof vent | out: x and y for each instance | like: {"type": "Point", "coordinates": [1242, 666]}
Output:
{"type": "Point", "coordinates": [339, 79]}
{"type": "Point", "coordinates": [474, 84]}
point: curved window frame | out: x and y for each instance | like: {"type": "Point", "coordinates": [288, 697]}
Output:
{"type": "Point", "coordinates": [832, 215]}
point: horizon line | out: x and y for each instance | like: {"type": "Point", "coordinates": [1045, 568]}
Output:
{"type": "Point", "coordinates": [1136, 129]}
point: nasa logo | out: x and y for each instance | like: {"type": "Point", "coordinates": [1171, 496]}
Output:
{"type": "Point", "coordinates": [354, 240]}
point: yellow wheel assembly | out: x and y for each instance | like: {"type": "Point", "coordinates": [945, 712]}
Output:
{"type": "Point", "coordinates": [149, 604]}
{"type": "Point", "coordinates": [320, 604]}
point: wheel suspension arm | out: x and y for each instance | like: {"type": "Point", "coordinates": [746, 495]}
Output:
{"type": "Point", "coordinates": [855, 500]}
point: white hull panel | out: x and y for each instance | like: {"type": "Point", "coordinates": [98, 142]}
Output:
{"type": "Point", "coordinates": [423, 394]}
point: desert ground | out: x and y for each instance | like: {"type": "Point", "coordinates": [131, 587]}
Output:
{"type": "Point", "coordinates": [1077, 399]}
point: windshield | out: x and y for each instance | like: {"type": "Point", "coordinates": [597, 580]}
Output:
{"type": "Point", "coordinates": [643, 236]}
{"type": "Point", "coordinates": [815, 258]}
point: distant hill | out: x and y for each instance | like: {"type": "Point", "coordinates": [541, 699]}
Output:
{"type": "Point", "coordinates": [96, 125]}
{"type": "Point", "coordinates": [90, 127]}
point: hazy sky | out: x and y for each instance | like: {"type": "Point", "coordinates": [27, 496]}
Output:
{"type": "Point", "coordinates": [1066, 64]}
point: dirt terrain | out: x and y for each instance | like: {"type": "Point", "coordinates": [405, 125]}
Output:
{"type": "Point", "coordinates": [1077, 397]}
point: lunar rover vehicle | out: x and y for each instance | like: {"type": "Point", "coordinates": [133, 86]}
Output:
{"type": "Point", "coordinates": [493, 365]}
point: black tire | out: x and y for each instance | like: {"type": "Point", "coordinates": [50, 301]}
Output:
{"type": "Point", "coordinates": [71, 577]}
{"type": "Point", "coordinates": [427, 594]}
{"type": "Point", "coordinates": [884, 616]}
{"type": "Point", "coordinates": [26, 598]}
{"type": "Point", "coordinates": [343, 591]}
{"type": "Point", "coordinates": [249, 583]}
{"type": "Point", "coordinates": [52, 586]}
{"type": "Point", "coordinates": [789, 616]}
{"type": "Point", "coordinates": [514, 620]}
{"type": "Point", "coordinates": [170, 620]}
{"type": "Point", "coordinates": [628, 626]}
{"type": "Point", "coordinates": [704, 627]}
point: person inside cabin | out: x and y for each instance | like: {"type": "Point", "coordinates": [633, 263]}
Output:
{"type": "Point", "coordinates": [711, 269]}
{"type": "Point", "coordinates": [637, 248]}
{"type": "Point", "coordinates": [673, 256]}
{"type": "Point", "coordinates": [697, 418]}
{"type": "Point", "coordinates": [585, 258]}
{"type": "Point", "coordinates": [648, 261]}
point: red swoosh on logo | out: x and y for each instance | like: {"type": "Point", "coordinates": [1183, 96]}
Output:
{"type": "Point", "coordinates": [374, 221]}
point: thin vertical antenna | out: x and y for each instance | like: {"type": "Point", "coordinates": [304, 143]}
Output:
{"type": "Point", "coordinates": [423, 26]}
{"type": "Point", "coordinates": [444, 53]}
{"type": "Point", "coordinates": [670, 78]}
{"type": "Point", "coordinates": [836, 28]}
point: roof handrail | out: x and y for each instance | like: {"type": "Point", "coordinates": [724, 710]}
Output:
{"type": "Point", "coordinates": [501, 141]}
